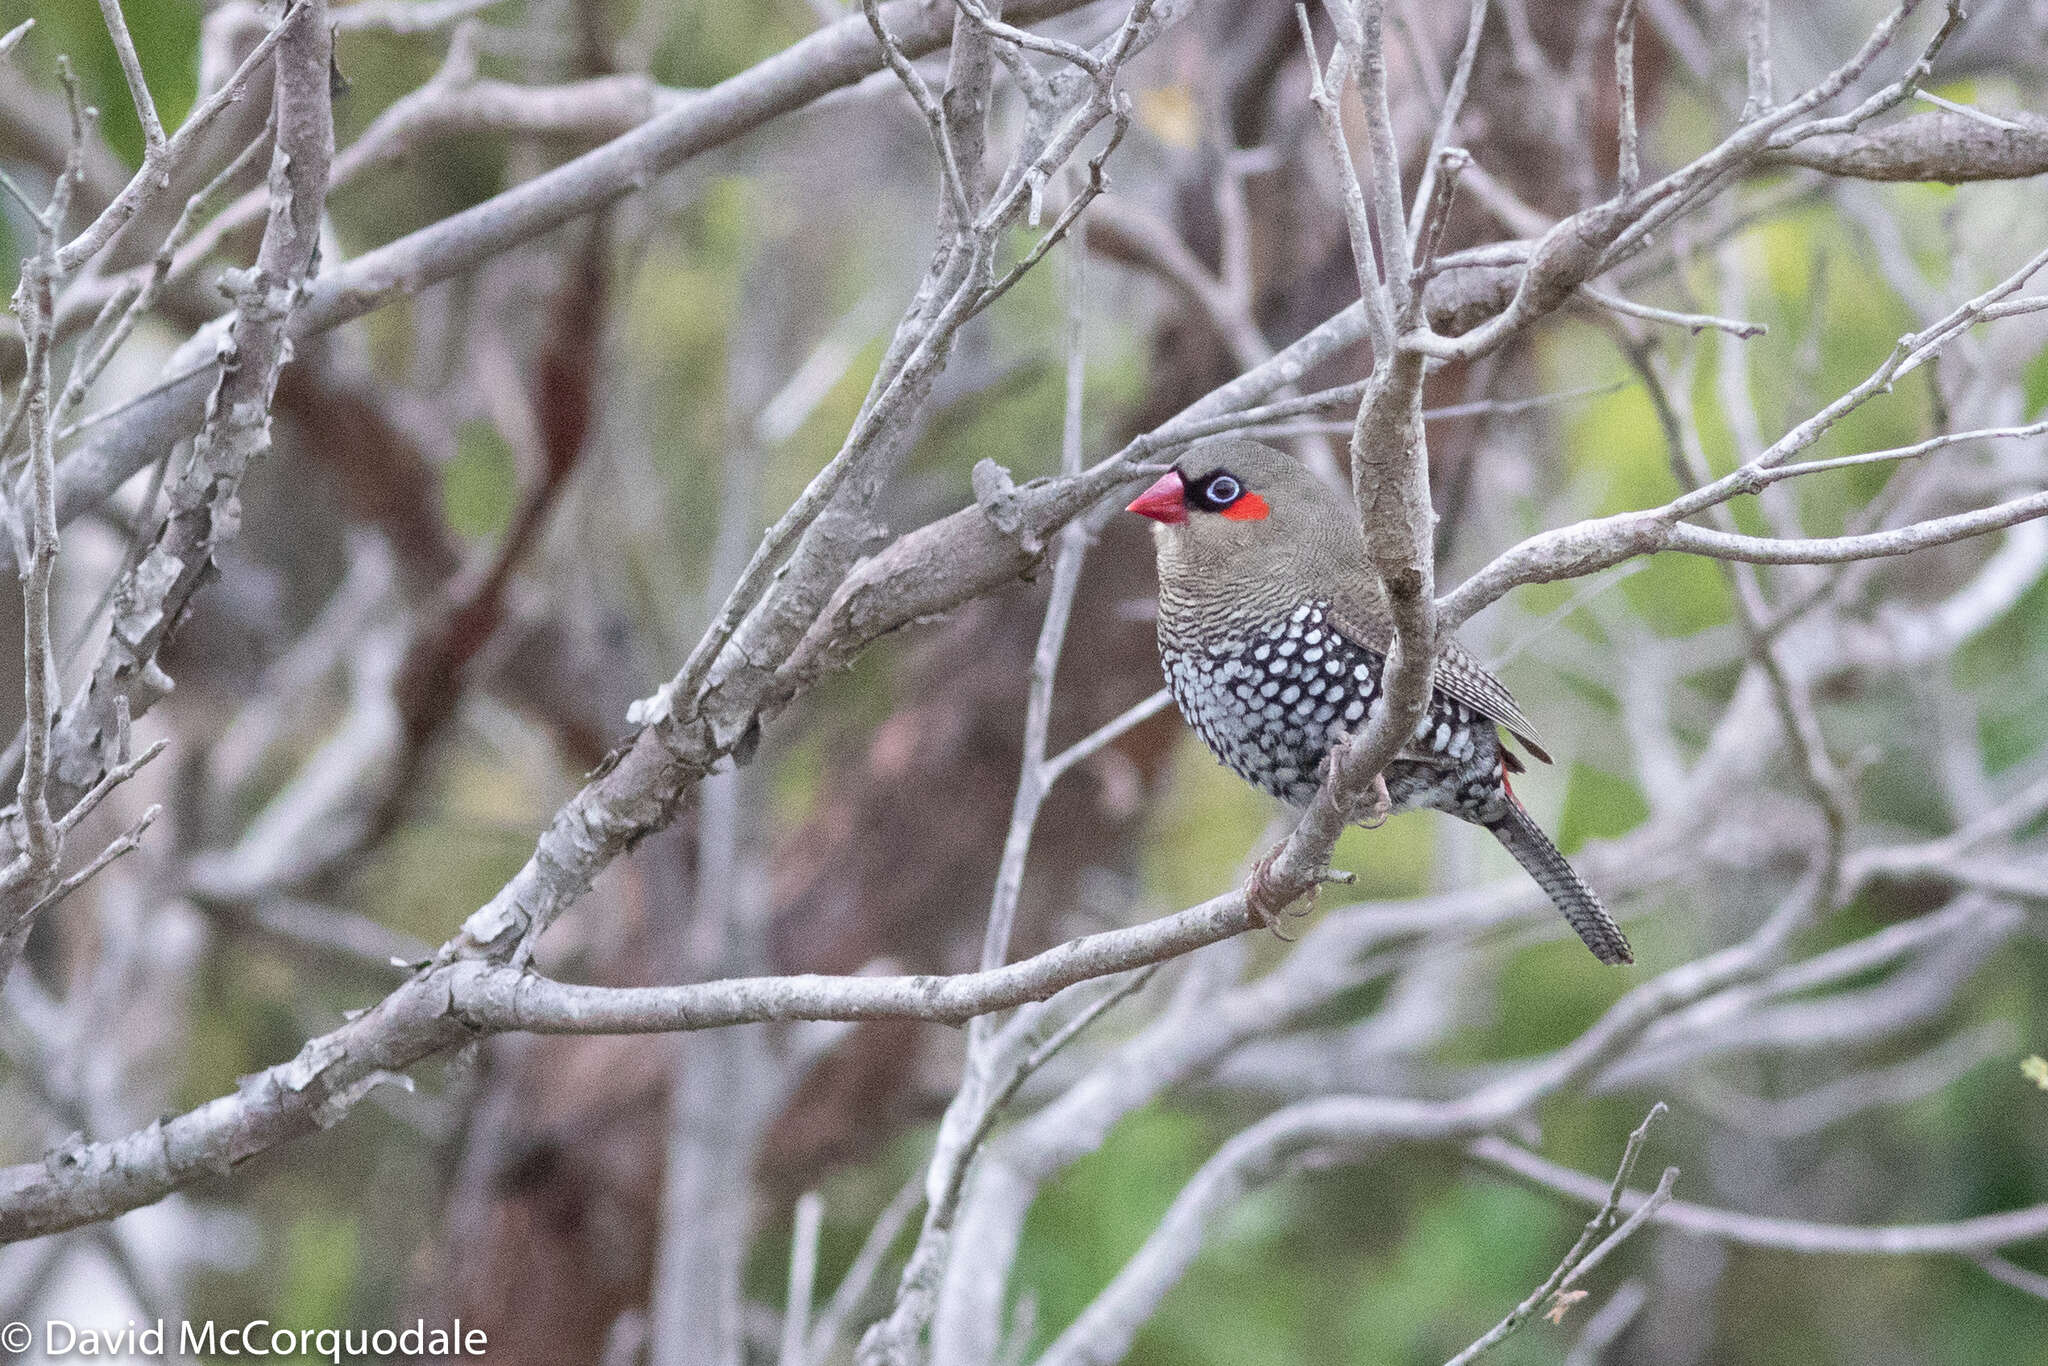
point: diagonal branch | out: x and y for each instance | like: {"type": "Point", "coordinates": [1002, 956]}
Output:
{"type": "Point", "coordinates": [1966, 1237]}
{"type": "Point", "coordinates": [1598, 1238]}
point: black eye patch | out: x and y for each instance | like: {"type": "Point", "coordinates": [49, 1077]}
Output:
{"type": "Point", "coordinates": [1215, 491]}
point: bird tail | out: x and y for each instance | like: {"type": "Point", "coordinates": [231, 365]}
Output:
{"type": "Point", "coordinates": [1518, 831]}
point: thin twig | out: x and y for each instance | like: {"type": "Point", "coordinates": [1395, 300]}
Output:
{"type": "Point", "coordinates": [138, 297]}
{"type": "Point", "coordinates": [1629, 140]}
{"type": "Point", "coordinates": [1105, 734]}
{"type": "Point", "coordinates": [1447, 117]}
{"type": "Point", "coordinates": [111, 779]}
{"type": "Point", "coordinates": [927, 105]}
{"type": "Point", "coordinates": [1388, 216]}
{"type": "Point", "coordinates": [157, 172]}
{"type": "Point", "coordinates": [130, 839]}
{"type": "Point", "coordinates": [1969, 112]}
{"type": "Point", "coordinates": [999, 1099]}
{"type": "Point", "coordinates": [1033, 779]}
{"type": "Point", "coordinates": [1971, 1236]}
{"type": "Point", "coordinates": [1342, 396]}
{"type": "Point", "coordinates": [952, 291]}
{"type": "Point", "coordinates": [42, 838]}
{"type": "Point", "coordinates": [853, 1287]}
{"type": "Point", "coordinates": [1581, 549]}
{"type": "Point", "coordinates": [1657, 1198]}
{"type": "Point", "coordinates": [1756, 49]}
{"type": "Point", "coordinates": [163, 386]}
{"type": "Point", "coordinates": [2018, 1277]}
{"type": "Point", "coordinates": [1097, 182]}
{"type": "Point", "coordinates": [803, 1274]}
{"type": "Point", "coordinates": [1593, 1244]}
{"type": "Point", "coordinates": [1437, 212]}
{"type": "Point", "coordinates": [1033, 42]}
{"type": "Point", "coordinates": [1692, 322]}
{"type": "Point", "coordinates": [138, 88]}
{"type": "Point", "coordinates": [1324, 94]}
{"type": "Point", "coordinates": [1918, 448]}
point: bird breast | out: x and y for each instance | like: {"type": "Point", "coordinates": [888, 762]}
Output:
{"type": "Point", "coordinates": [1271, 698]}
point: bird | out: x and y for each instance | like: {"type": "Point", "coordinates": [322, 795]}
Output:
{"type": "Point", "coordinates": [1273, 632]}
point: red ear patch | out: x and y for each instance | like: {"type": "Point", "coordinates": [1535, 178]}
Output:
{"type": "Point", "coordinates": [1249, 507]}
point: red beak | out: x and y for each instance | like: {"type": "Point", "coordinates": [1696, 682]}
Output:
{"type": "Point", "coordinates": [1166, 501]}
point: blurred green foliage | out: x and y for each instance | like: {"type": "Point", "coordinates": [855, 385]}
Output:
{"type": "Point", "coordinates": [166, 37]}
{"type": "Point", "coordinates": [480, 485]}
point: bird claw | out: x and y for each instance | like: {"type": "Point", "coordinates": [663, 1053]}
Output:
{"type": "Point", "coordinates": [1268, 904]}
{"type": "Point", "coordinates": [1382, 801]}
{"type": "Point", "coordinates": [1382, 804]}
{"type": "Point", "coordinates": [1259, 891]}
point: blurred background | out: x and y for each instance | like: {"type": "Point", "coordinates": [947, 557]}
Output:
{"type": "Point", "coordinates": [499, 511]}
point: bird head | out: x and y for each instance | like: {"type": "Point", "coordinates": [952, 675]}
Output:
{"type": "Point", "coordinates": [1229, 507]}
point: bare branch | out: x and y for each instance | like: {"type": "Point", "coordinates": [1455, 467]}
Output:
{"type": "Point", "coordinates": [1568, 552]}
{"type": "Point", "coordinates": [1069, 216]}
{"type": "Point", "coordinates": [1842, 549]}
{"type": "Point", "coordinates": [1692, 322]}
{"type": "Point", "coordinates": [1389, 458]}
{"type": "Point", "coordinates": [1945, 147]}
{"type": "Point", "coordinates": [2018, 1277]}
{"type": "Point", "coordinates": [803, 1271]}
{"type": "Point", "coordinates": [120, 773]}
{"type": "Point", "coordinates": [1630, 171]}
{"type": "Point", "coordinates": [1035, 777]}
{"type": "Point", "coordinates": [1447, 119]}
{"type": "Point", "coordinates": [860, 1276]}
{"type": "Point", "coordinates": [1106, 734]}
{"type": "Point", "coordinates": [1980, 1234]}
{"type": "Point", "coordinates": [1325, 91]}
{"type": "Point", "coordinates": [202, 513]}
{"type": "Point", "coordinates": [1596, 239]}
{"type": "Point", "coordinates": [127, 842]}
{"type": "Point", "coordinates": [1756, 50]}
{"type": "Point", "coordinates": [1436, 213]}
{"type": "Point", "coordinates": [927, 104]}
{"type": "Point", "coordinates": [1968, 112]}
{"type": "Point", "coordinates": [1355, 1127]}
{"type": "Point", "coordinates": [138, 88]}
{"type": "Point", "coordinates": [149, 182]}
{"type": "Point", "coordinates": [137, 298]}
{"type": "Point", "coordinates": [25, 881]}
{"type": "Point", "coordinates": [1595, 1240]}
{"type": "Point", "coordinates": [1388, 216]}
{"type": "Point", "coordinates": [443, 1007]}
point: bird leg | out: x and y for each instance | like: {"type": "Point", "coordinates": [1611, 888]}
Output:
{"type": "Point", "coordinates": [1267, 902]}
{"type": "Point", "coordinates": [1382, 801]}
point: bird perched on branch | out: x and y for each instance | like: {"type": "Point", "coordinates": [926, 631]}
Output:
{"type": "Point", "coordinates": [1273, 630]}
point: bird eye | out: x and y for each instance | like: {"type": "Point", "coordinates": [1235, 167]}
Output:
{"type": "Point", "coordinates": [1223, 490]}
